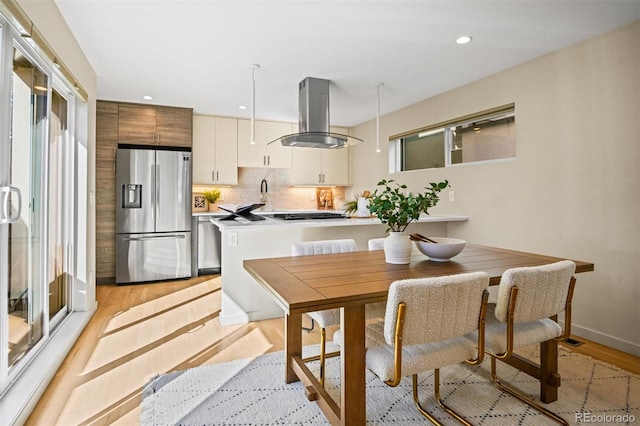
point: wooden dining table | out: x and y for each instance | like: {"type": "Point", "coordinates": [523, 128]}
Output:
{"type": "Point", "coordinates": [301, 284]}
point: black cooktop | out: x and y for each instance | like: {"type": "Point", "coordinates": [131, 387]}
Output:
{"type": "Point", "coordinates": [308, 216]}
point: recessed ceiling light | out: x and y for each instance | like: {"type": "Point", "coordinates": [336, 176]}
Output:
{"type": "Point", "coordinates": [242, 107]}
{"type": "Point", "coordinates": [463, 39]}
{"type": "Point", "coordinates": [147, 97]}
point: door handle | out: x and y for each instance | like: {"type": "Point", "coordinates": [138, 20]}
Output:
{"type": "Point", "coordinates": [6, 214]}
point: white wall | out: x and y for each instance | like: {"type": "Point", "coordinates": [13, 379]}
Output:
{"type": "Point", "coordinates": [573, 189]}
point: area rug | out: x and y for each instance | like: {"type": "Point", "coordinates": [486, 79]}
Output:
{"type": "Point", "coordinates": [253, 392]}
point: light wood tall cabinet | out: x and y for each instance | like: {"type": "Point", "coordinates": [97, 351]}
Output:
{"type": "Point", "coordinates": [140, 124]}
{"type": "Point", "coordinates": [106, 145]}
{"type": "Point", "coordinates": [263, 154]}
{"type": "Point", "coordinates": [215, 150]}
{"type": "Point", "coordinates": [318, 166]}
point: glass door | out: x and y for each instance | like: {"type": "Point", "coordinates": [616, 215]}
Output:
{"type": "Point", "coordinates": [38, 213]}
{"type": "Point", "coordinates": [60, 204]}
{"type": "Point", "coordinates": [24, 204]}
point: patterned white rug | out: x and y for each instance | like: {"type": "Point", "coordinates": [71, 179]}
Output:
{"type": "Point", "coordinates": [253, 392]}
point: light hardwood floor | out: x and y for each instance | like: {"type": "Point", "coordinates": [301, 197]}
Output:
{"type": "Point", "coordinates": [142, 330]}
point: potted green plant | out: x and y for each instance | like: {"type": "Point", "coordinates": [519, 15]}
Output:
{"type": "Point", "coordinates": [211, 195]}
{"type": "Point", "coordinates": [354, 207]}
{"type": "Point", "coordinates": [397, 208]}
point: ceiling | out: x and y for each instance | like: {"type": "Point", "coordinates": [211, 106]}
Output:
{"type": "Point", "coordinates": [197, 53]}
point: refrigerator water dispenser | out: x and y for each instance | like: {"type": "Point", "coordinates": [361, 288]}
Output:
{"type": "Point", "coordinates": [131, 196]}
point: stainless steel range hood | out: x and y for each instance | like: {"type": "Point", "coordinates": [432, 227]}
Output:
{"type": "Point", "coordinates": [313, 123]}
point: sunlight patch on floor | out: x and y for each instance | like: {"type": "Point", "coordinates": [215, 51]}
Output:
{"type": "Point", "coordinates": [183, 351]}
{"type": "Point", "coordinates": [126, 343]}
{"type": "Point", "coordinates": [144, 310]}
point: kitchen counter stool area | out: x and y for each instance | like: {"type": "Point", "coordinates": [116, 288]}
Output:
{"type": "Point", "coordinates": [243, 299]}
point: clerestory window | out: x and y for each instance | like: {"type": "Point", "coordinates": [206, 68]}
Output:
{"type": "Point", "coordinates": [481, 137]}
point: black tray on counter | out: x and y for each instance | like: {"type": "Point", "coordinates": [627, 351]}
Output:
{"type": "Point", "coordinates": [308, 216]}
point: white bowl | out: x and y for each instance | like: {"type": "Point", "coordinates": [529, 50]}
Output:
{"type": "Point", "coordinates": [443, 251]}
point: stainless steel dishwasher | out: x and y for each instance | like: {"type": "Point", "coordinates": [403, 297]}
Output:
{"type": "Point", "coordinates": [205, 246]}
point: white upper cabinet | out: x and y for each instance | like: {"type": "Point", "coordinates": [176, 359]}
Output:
{"type": "Point", "coordinates": [318, 166]}
{"type": "Point", "coordinates": [263, 154]}
{"type": "Point", "coordinates": [215, 150]}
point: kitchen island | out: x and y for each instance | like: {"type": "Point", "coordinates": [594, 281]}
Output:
{"type": "Point", "coordinates": [243, 299]}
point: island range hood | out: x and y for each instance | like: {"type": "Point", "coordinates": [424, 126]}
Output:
{"type": "Point", "coordinates": [313, 124]}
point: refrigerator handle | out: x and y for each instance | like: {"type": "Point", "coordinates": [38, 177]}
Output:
{"type": "Point", "coordinates": [157, 208]}
{"type": "Point", "coordinates": [158, 237]}
{"type": "Point", "coordinates": [154, 184]}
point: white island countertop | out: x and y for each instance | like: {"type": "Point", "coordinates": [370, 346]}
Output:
{"type": "Point", "coordinates": [270, 222]}
{"type": "Point", "coordinates": [243, 299]}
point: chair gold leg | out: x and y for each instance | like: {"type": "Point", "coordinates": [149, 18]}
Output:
{"type": "Point", "coordinates": [323, 337]}
{"type": "Point", "coordinates": [436, 391]}
{"type": "Point", "coordinates": [521, 396]}
{"type": "Point", "coordinates": [323, 355]}
{"type": "Point", "coordinates": [308, 329]}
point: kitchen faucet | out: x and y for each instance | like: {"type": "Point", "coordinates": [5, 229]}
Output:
{"type": "Point", "coordinates": [263, 191]}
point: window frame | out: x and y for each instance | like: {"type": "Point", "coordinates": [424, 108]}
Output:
{"type": "Point", "coordinates": [396, 158]}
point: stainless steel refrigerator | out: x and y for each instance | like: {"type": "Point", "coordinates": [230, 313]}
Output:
{"type": "Point", "coordinates": [153, 215]}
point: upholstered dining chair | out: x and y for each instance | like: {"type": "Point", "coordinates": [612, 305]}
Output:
{"type": "Point", "coordinates": [376, 243]}
{"type": "Point", "coordinates": [529, 300]}
{"type": "Point", "coordinates": [424, 329]}
{"type": "Point", "coordinates": [330, 317]}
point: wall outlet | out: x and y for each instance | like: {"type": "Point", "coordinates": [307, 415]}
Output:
{"type": "Point", "coordinates": [452, 196]}
{"type": "Point", "coordinates": [232, 239]}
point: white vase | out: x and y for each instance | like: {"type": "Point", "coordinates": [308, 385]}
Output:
{"type": "Point", "coordinates": [397, 248]}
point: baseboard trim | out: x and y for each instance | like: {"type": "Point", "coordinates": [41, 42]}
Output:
{"type": "Point", "coordinates": [604, 339]}
{"type": "Point", "coordinates": [249, 317]}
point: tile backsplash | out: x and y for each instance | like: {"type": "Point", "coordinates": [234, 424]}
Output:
{"type": "Point", "coordinates": [280, 195]}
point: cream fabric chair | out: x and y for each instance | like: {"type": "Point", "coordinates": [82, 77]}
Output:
{"type": "Point", "coordinates": [424, 328]}
{"type": "Point", "coordinates": [331, 316]}
{"type": "Point", "coordinates": [323, 247]}
{"type": "Point", "coordinates": [528, 298]}
{"type": "Point", "coordinates": [376, 244]}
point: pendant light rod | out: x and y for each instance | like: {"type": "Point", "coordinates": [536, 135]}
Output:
{"type": "Point", "coordinates": [253, 67]}
{"type": "Point", "coordinates": [378, 85]}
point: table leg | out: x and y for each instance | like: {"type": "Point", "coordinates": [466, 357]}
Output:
{"type": "Point", "coordinates": [549, 377]}
{"type": "Point", "coordinates": [353, 408]}
{"type": "Point", "coordinates": [292, 344]}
